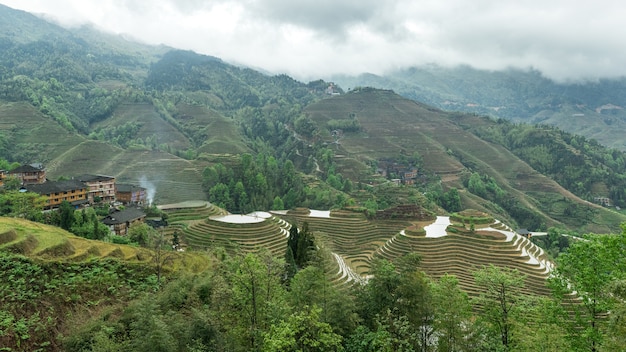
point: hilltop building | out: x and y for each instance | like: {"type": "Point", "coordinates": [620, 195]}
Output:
{"type": "Point", "coordinates": [131, 194]}
{"type": "Point", "coordinates": [99, 187]}
{"type": "Point", "coordinates": [73, 191]}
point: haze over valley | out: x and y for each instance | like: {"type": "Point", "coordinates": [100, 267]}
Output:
{"type": "Point", "coordinates": [324, 176]}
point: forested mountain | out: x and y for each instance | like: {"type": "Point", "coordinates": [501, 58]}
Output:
{"type": "Point", "coordinates": [594, 109]}
{"type": "Point", "coordinates": [193, 127]}
{"type": "Point", "coordinates": [82, 102]}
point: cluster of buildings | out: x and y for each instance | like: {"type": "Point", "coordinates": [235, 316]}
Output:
{"type": "Point", "coordinates": [397, 173]}
{"type": "Point", "coordinates": [81, 191]}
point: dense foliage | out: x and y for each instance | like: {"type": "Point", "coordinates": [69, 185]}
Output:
{"type": "Point", "coordinates": [39, 301]}
{"type": "Point", "coordinates": [245, 305]}
{"type": "Point", "coordinates": [581, 165]}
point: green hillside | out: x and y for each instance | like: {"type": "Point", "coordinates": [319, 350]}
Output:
{"type": "Point", "coordinates": [413, 249]}
{"type": "Point", "coordinates": [392, 126]}
{"type": "Point", "coordinates": [592, 109]}
{"type": "Point", "coordinates": [30, 136]}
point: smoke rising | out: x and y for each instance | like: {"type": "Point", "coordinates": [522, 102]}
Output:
{"type": "Point", "coordinates": [150, 189]}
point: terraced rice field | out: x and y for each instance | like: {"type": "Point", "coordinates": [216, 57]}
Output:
{"type": "Point", "coordinates": [206, 226]}
{"type": "Point", "coordinates": [46, 242]}
{"type": "Point", "coordinates": [460, 254]}
{"type": "Point", "coordinates": [355, 242]}
{"type": "Point", "coordinates": [348, 234]}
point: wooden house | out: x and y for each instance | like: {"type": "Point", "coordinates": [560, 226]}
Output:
{"type": "Point", "coordinates": [99, 187]}
{"type": "Point", "coordinates": [120, 221]}
{"type": "Point", "coordinates": [130, 194]}
{"type": "Point", "coordinates": [73, 191]}
{"type": "Point", "coordinates": [29, 174]}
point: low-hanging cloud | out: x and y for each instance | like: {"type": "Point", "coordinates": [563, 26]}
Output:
{"type": "Point", "coordinates": [316, 38]}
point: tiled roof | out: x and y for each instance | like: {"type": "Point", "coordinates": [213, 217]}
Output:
{"type": "Point", "coordinates": [128, 188]}
{"type": "Point", "coordinates": [25, 168]}
{"type": "Point", "coordinates": [122, 216]}
{"type": "Point", "coordinates": [94, 178]}
{"type": "Point", "coordinates": [50, 187]}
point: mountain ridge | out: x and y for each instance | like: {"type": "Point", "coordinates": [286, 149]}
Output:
{"type": "Point", "coordinates": [168, 115]}
{"type": "Point", "coordinates": [592, 109]}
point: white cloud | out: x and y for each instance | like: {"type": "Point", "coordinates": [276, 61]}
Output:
{"type": "Point", "coordinates": [315, 38]}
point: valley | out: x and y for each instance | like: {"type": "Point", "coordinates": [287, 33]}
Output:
{"type": "Point", "coordinates": [362, 213]}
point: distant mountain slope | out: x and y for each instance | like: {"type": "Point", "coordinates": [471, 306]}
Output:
{"type": "Point", "coordinates": [592, 109]}
{"type": "Point", "coordinates": [391, 125]}
{"type": "Point", "coordinates": [81, 102]}
{"type": "Point", "coordinates": [30, 136]}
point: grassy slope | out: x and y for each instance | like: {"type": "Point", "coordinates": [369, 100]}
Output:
{"type": "Point", "coordinates": [68, 154]}
{"type": "Point", "coordinates": [221, 134]}
{"type": "Point", "coordinates": [393, 125]}
{"type": "Point", "coordinates": [43, 133]}
{"type": "Point", "coordinates": [151, 124]}
{"type": "Point", "coordinates": [523, 96]}
{"type": "Point", "coordinates": [46, 242]}
{"type": "Point", "coordinates": [175, 179]}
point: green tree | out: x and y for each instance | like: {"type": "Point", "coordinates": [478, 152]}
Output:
{"type": "Point", "coordinates": [398, 301]}
{"type": "Point", "coordinates": [452, 315]}
{"type": "Point", "coordinates": [476, 185]}
{"type": "Point", "coordinates": [278, 204]}
{"type": "Point", "coordinates": [365, 340]}
{"type": "Point", "coordinates": [220, 195]}
{"type": "Point", "coordinates": [148, 330]}
{"type": "Point", "coordinates": [17, 204]}
{"type": "Point", "coordinates": [257, 297]}
{"type": "Point", "coordinates": [590, 268]}
{"type": "Point", "coordinates": [140, 233]}
{"type": "Point", "coordinates": [452, 200]}
{"type": "Point", "coordinates": [66, 212]}
{"type": "Point", "coordinates": [305, 246]}
{"type": "Point", "coordinates": [501, 301]}
{"type": "Point", "coordinates": [11, 183]}
{"type": "Point", "coordinates": [311, 287]}
{"type": "Point", "coordinates": [302, 332]}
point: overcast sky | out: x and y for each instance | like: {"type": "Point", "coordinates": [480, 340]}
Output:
{"type": "Point", "coordinates": [310, 39]}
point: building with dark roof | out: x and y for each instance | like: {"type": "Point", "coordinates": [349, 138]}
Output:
{"type": "Point", "coordinates": [524, 232]}
{"type": "Point", "coordinates": [130, 194]}
{"type": "Point", "coordinates": [99, 187]}
{"type": "Point", "coordinates": [29, 174]}
{"type": "Point", "coordinates": [72, 191]}
{"type": "Point", "coordinates": [120, 221]}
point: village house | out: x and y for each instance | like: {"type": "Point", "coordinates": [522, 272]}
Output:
{"type": "Point", "coordinates": [400, 174]}
{"type": "Point", "coordinates": [130, 194]}
{"type": "Point", "coordinates": [524, 232]}
{"type": "Point", "coordinates": [3, 175]}
{"type": "Point", "coordinates": [120, 221]}
{"type": "Point", "coordinates": [604, 201]}
{"type": "Point", "coordinates": [99, 187]}
{"type": "Point", "coordinates": [73, 191]}
{"type": "Point", "coordinates": [29, 174]}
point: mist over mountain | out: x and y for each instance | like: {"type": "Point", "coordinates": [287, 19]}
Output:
{"type": "Point", "coordinates": [421, 210]}
{"type": "Point", "coordinates": [594, 109]}
{"type": "Point", "coordinates": [79, 101]}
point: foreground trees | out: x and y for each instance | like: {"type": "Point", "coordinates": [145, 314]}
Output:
{"type": "Point", "coordinates": [246, 303]}
{"type": "Point", "coordinates": [595, 268]}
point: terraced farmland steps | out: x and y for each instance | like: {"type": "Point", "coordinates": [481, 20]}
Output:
{"type": "Point", "coordinates": [355, 242]}
{"type": "Point", "coordinates": [459, 254]}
